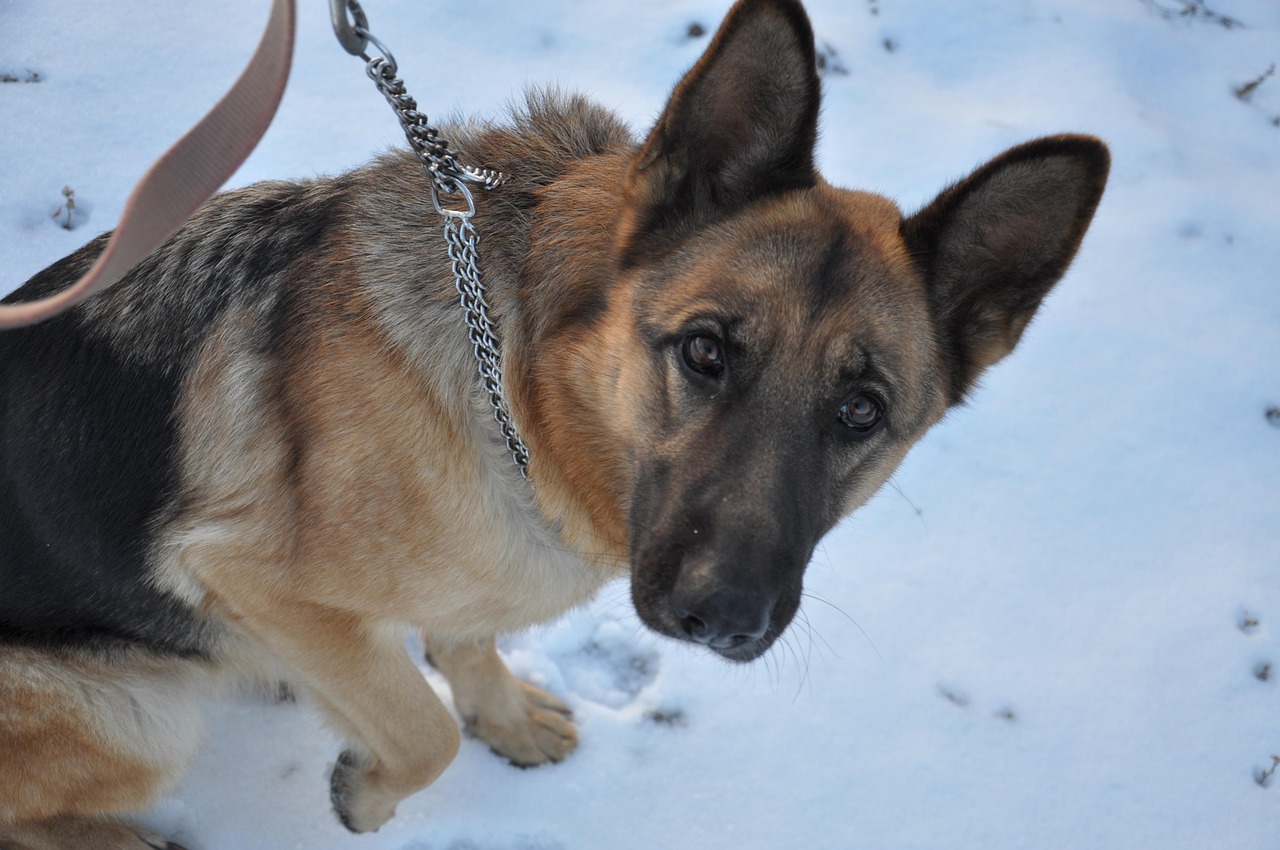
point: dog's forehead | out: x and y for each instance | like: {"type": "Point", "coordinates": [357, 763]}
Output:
{"type": "Point", "coordinates": [823, 251]}
{"type": "Point", "coordinates": [824, 265]}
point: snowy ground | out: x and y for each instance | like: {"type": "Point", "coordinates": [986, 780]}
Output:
{"type": "Point", "coordinates": [1054, 631]}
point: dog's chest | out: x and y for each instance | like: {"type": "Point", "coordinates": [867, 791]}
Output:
{"type": "Point", "coordinates": [439, 530]}
{"type": "Point", "coordinates": [490, 566]}
{"type": "Point", "coordinates": [394, 493]}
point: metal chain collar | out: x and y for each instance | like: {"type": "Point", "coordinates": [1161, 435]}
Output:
{"type": "Point", "coordinates": [461, 238]}
{"type": "Point", "coordinates": [449, 179]}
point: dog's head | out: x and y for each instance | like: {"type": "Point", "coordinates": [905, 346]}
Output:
{"type": "Point", "coordinates": [775, 345]}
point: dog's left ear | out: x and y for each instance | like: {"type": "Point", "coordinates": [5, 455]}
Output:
{"type": "Point", "coordinates": [992, 246]}
{"type": "Point", "coordinates": [740, 125]}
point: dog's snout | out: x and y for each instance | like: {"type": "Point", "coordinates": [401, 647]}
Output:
{"type": "Point", "coordinates": [723, 619]}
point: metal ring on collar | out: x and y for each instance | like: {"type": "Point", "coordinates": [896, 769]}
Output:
{"type": "Point", "coordinates": [388, 61]}
{"type": "Point", "coordinates": [459, 189]}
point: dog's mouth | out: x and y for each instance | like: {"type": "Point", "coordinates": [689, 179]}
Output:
{"type": "Point", "coordinates": [736, 624]}
{"type": "Point", "coordinates": [740, 649]}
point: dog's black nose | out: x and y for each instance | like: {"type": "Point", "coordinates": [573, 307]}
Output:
{"type": "Point", "coordinates": [724, 619]}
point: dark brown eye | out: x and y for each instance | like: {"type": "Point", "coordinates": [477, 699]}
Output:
{"type": "Point", "coordinates": [704, 354]}
{"type": "Point", "coordinates": [862, 413]}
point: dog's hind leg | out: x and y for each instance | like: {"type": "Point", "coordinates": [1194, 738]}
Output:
{"type": "Point", "coordinates": [84, 738]}
{"type": "Point", "coordinates": [517, 720]}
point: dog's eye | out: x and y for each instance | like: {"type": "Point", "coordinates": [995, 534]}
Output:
{"type": "Point", "coordinates": [704, 354]}
{"type": "Point", "coordinates": [862, 413]}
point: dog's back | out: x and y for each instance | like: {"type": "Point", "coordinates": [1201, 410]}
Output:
{"type": "Point", "coordinates": [89, 423]}
{"type": "Point", "coordinates": [87, 443]}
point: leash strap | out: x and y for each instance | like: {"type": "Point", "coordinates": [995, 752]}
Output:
{"type": "Point", "coordinates": [187, 174]}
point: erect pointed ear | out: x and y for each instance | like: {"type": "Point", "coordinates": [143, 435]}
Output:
{"type": "Point", "coordinates": [740, 125]}
{"type": "Point", "coordinates": [992, 246]}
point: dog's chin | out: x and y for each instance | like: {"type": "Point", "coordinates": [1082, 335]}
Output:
{"type": "Point", "coordinates": [743, 653]}
{"type": "Point", "coordinates": [747, 652]}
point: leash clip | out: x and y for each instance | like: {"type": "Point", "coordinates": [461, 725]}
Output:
{"type": "Point", "coordinates": [353, 38]}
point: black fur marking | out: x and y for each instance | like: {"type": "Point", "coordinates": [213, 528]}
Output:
{"type": "Point", "coordinates": [230, 253]}
{"type": "Point", "coordinates": [735, 505]}
{"type": "Point", "coordinates": [86, 460]}
{"type": "Point", "coordinates": [828, 283]}
{"type": "Point", "coordinates": [578, 310]}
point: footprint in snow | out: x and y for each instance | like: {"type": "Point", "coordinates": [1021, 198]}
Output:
{"type": "Point", "coordinates": [611, 668]}
{"type": "Point", "coordinates": [1250, 625]}
{"type": "Point", "coordinates": [961, 700]}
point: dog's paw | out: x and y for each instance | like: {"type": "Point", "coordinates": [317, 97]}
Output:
{"type": "Point", "coordinates": [354, 798]}
{"type": "Point", "coordinates": [532, 728]}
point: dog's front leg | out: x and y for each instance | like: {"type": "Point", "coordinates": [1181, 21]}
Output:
{"type": "Point", "coordinates": [400, 735]}
{"type": "Point", "coordinates": [517, 720]}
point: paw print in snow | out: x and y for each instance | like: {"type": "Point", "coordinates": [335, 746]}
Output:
{"type": "Point", "coordinates": [611, 668]}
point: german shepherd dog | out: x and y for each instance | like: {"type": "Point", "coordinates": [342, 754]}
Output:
{"type": "Point", "coordinates": [266, 453]}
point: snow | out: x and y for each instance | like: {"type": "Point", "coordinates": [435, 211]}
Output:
{"type": "Point", "coordinates": [1042, 635]}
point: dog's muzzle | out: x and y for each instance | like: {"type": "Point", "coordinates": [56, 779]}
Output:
{"type": "Point", "coordinates": [721, 619]}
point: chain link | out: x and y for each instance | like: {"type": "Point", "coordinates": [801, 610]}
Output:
{"type": "Point", "coordinates": [462, 239]}
{"type": "Point", "coordinates": [449, 179]}
{"type": "Point", "coordinates": [441, 165]}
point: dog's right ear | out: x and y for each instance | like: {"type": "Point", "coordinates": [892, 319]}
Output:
{"type": "Point", "coordinates": [740, 125]}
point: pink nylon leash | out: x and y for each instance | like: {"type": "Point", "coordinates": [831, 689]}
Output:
{"type": "Point", "coordinates": [188, 174]}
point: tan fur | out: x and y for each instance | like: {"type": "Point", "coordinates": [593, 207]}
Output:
{"type": "Point", "coordinates": [580, 458]}
{"type": "Point", "coordinates": [67, 722]}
